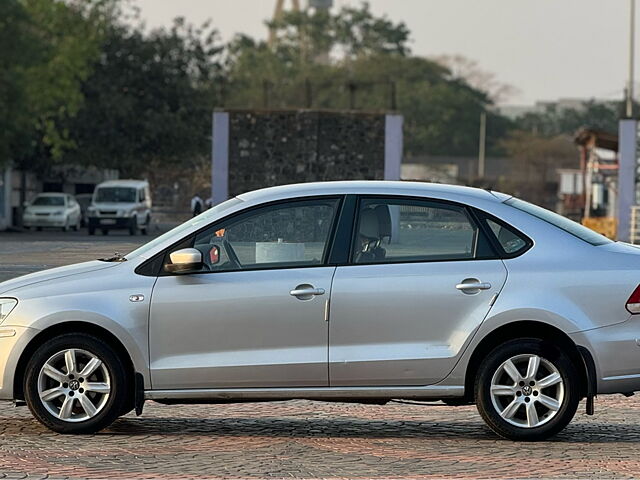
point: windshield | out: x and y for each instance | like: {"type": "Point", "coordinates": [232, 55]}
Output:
{"type": "Point", "coordinates": [49, 201]}
{"type": "Point", "coordinates": [569, 226]}
{"type": "Point", "coordinates": [115, 195]}
{"type": "Point", "coordinates": [201, 220]}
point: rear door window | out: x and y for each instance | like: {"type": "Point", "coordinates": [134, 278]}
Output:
{"type": "Point", "coordinates": [407, 230]}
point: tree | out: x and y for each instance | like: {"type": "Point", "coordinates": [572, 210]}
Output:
{"type": "Point", "coordinates": [20, 49]}
{"type": "Point", "coordinates": [149, 99]}
{"type": "Point", "coordinates": [68, 36]}
{"type": "Point", "coordinates": [350, 33]}
{"type": "Point", "coordinates": [369, 66]}
{"type": "Point", "coordinates": [535, 159]}
{"type": "Point", "coordinates": [468, 70]}
{"type": "Point", "coordinates": [555, 121]}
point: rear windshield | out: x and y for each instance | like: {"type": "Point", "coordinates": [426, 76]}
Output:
{"type": "Point", "coordinates": [569, 226]}
{"type": "Point", "coordinates": [116, 195]}
{"type": "Point", "coordinates": [52, 201]}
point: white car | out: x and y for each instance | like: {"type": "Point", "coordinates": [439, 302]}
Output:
{"type": "Point", "coordinates": [52, 210]}
{"type": "Point", "coordinates": [120, 204]}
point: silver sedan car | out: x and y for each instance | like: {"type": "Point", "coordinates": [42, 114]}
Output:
{"type": "Point", "coordinates": [345, 291]}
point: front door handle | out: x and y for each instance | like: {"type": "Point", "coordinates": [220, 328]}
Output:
{"type": "Point", "coordinates": [466, 286]}
{"type": "Point", "coordinates": [306, 292]}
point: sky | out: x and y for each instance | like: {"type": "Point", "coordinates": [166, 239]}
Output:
{"type": "Point", "coordinates": [546, 49]}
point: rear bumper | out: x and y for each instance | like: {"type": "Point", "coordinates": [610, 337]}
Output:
{"type": "Point", "coordinates": [13, 341]}
{"type": "Point", "coordinates": [616, 352]}
{"type": "Point", "coordinates": [109, 223]}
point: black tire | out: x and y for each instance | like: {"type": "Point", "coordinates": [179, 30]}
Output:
{"type": "Point", "coordinates": [147, 223]}
{"type": "Point", "coordinates": [105, 231]}
{"type": "Point", "coordinates": [546, 351]}
{"type": "Point", "coordinates": [38, 229]}
{"type": "Point", "coordinates": [119, 394]}
{"type": "Point", "coordinates": [133, 226]}
{"type": "Point", "coordinates": [92, 231]}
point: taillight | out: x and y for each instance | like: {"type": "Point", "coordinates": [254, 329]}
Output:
{"type": "Point", "coordinates": [633, 304]}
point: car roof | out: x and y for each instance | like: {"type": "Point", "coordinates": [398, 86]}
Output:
{"type": "Point", "coordinates": [381, 187]}
{"type": "Point", "coordinates": [52, 194]}
{"type": "Point", "coordinates": [124, 183]}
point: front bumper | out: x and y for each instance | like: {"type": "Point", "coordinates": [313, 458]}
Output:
{"type": "Point", "coordinates": [109, 222]}
{"type": "Point", "coordinates": [13, 341]}
{"type": "Point", "coordinates": [44, 221]}
{"type": "Point", "coordinates": [616, 352]}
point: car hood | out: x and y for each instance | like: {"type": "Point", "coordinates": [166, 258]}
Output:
{"type": "Point", "coordinates": [52, 274]}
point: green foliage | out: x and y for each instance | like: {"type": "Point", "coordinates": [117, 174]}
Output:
{"type": "Point", "coordinates": [81, 83]}
{"type": "Point", "coordinates": [353, 32]}
{"type": "Point", "coordinates": [555, 121]}
{"type": "Point", "coordinates": [20, 48]}
{"type": "Point", "coordinates": [52, 44]}
{"type": "Point", "coordinates": [441, 112]}
{"type": "Point", "coordinates": [149, 98]}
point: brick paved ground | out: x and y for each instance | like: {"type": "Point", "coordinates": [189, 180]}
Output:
{"type": "Point", "coordinates": [298, 439]}
{"type": "Point", "coordinates": [303, 439]}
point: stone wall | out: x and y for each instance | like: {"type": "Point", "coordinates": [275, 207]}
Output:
{"type": "Point", "coordinates": [268, 148]}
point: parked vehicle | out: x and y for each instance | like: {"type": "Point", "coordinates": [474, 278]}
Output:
{"type": "Point", "coordinates": [341, 291]}
{"type": "Point", "coordinates": [120, 204]}
{"type": "Point", "coordinates": [84, 200]}
{"type": "Point", "coordinates": [52, 210]}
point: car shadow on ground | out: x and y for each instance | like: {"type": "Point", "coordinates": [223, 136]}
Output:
{"type": "Point", "coordinates": [579, 433]}
{"type": "Point", "coordinates": [354, 428]}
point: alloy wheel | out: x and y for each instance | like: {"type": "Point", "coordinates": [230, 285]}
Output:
{"type": "Point", "coordinates": [527, 390]}
{"type": "Point", "coordinates": [74, 385]}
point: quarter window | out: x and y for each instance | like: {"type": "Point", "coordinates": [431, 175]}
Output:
{"type": "Point", "coordinates": [390, 230]}
{"type": "Point", "coordinates": [293, 234]}
{"type": "Point", "coordinates": [509, 240]}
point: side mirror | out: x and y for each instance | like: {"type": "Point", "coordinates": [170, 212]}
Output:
{"type": "Point", "coordinates": [186, 260]}
{"type": "Point", "coordinates": [25, 204]}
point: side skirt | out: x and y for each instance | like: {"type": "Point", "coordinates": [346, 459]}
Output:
{"type": "Point", "coordinates": [319, 393]}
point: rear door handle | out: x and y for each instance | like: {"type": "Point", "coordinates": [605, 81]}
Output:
{"type": "Point", "coordinates": [474, 286]}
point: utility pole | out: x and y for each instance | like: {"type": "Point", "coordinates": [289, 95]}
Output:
{"type": "Point", "coordinates": [482, 142]}
{"type": "Point", "coordinates": [632, 31]}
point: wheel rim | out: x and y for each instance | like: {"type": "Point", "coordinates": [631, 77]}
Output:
{"type": "Point", "coordinates": [527, 391]}
{"type": "Point", "coordinates": [74, 385]}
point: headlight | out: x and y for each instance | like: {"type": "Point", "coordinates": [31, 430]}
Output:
{"type": "Point", "coordinates": [58, 213]}
{"type": "Point", "coordinates": [124, 213]}
{"type": "Point", "coordinates": [6, 305]}
{"type": "Point", "coordinates": [92, 209]}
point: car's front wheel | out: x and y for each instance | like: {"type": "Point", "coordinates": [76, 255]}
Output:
{"type": "Point", "coordinates": [75, 383]}
{"type": "Point", "coordinates": [527, 389]}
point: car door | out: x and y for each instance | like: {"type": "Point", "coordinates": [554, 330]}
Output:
{"type": "Point", "coordinates": [256, 315]}
{"type": "Point", "coordinates": [421, 279]}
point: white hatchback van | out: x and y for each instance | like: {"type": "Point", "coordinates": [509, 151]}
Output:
{"type": "Point", "coordinates": [120, 204]}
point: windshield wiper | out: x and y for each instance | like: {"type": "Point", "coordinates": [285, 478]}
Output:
{"type": "Point", "coordinates": [117, 257]}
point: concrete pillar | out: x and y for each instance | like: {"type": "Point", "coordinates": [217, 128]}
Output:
{"type": "Point", "coordinates": [628, 137]}
{"type": "Point", "coordinates": [220, 158]}
{"type": "Point", "coordinates": [392, 146]}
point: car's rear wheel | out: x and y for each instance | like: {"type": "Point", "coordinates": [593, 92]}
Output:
{"type": "Point", "coordinates": [75, 383]}
{"type": "Point", "coordinates": [527, 389]}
